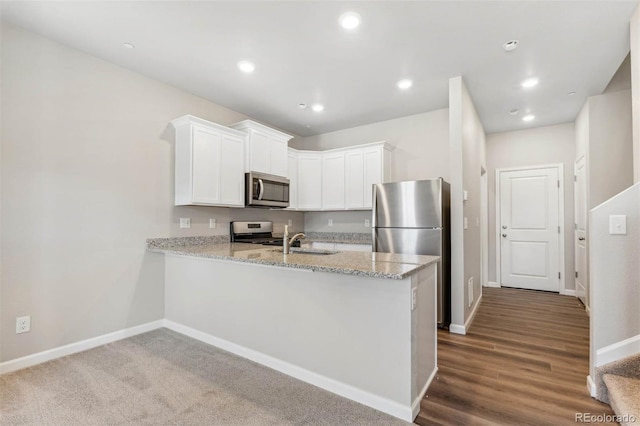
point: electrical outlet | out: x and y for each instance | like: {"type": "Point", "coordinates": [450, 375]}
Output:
{"type": "Point", "coordinates": [212, 223]}
{"type": "Point", "coordinates": [466, 223]}
{"type": "Point", "coordinates": [470, 289]}
{"type": "Point", "coordinates": [185, 222]}
{"type": "Point", "coordinates": [330, 223]}
{"type": "Point", "coordinates": [23, 324]}
{"type": "Point", "coordinates": [367, 223]}
{"type": "Point", "coordinates": [290, 222]}
{"type": "Point", "coordinates": [414, 297]}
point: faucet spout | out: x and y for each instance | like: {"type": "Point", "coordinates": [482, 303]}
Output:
{"type": "Point", "coordinates": [287, 242]}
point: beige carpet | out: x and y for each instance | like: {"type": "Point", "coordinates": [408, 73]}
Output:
{"type": "Point", "coordinates": [164, 378]}
{"type": "Point", "coordinates": [624, 397]}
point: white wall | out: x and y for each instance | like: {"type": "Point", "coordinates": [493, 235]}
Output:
{"type": "Point", "coordinates": [421, 151]}
{"type": "Point", "coordinates": [615, 280]}
{"type": "Point", "coordinates": [635, 84]}
{"type": "Point", "coordinates": [87, 176]}
{"type": "Point", "coordinates": [532, 147]}
{"type": "Point", "coordinates": [467, 158]}
{"type": "Point", "coordinates": [610, 157]}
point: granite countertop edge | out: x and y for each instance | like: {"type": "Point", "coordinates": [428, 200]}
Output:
{"type": "Point", "coordinates": [180, 247]}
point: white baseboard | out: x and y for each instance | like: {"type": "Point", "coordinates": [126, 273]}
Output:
{"type": "Point", "coordinates": [462, 329]}
{"type": "Point", "coordinates": [404, 412]}
{"type": "Point", "coordinates": [457, 329]}
{"type": "Point", "coordinates": [492, 284]}
{"type": "Point", "coordinates": [619, 350]}
{"type": "Point", "coordinates": [566, 292]}
{"type": "Point", "coordinates": [415, 407]}
{"type": "Point", "coordinates": [72, 348]}
{"type": "Point", "coordinates": [591, 387]}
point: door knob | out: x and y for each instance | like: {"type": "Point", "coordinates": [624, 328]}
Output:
{"type": "Point", "coordinates": [504, 235]}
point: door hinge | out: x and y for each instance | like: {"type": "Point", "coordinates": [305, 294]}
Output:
{"type": "Point", "coordinates": [575, 178]}
{"type": "Point", "coordinates": [558, 184]}
{"type": "Point", "coordinates": [558, 275]}
{"type": "Point", "coordinates": [576, 274]}
{"type": "Point", "coordinates": [558, 229]}
{"type": "Point", "coordinates": [575, 226]}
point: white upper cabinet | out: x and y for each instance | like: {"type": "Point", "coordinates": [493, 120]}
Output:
{"type": "Point", "coordinates": [266, 150]}
{"type": "Point", "coordinates": [366, 165]}
{"type": "Point", "coordinates": [333, 181]}
{"type": "Point", "coordinates": [209, 164]}
{"type": "Point", "coordinates": [293, 179]}
{"type": "Point", "coordinates": [309, 180]}
{"type": "Point", "coordinates": [338, 179]}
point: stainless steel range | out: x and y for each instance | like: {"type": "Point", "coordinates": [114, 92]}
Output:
{"type": "Point", "coordinates": [256, 233]}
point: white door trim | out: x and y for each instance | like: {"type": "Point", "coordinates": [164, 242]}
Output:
{"type": "Point", "coordinates": [484, 229]}
{"type": "Point", "coordinates": [561, 262]}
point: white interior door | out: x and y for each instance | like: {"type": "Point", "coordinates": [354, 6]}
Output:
{"type": "Point", "coordinates": [529, 229]}
{"type": "Point", "coordinates": [582, 278]}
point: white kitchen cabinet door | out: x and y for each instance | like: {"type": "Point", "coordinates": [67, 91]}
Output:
{"type": "Point", "coordinates": [374, 172]}
{"type": "Point", "coordinates": [206, 163]}
{"type": "Point", "coordinates": [209, 164]}
{"type": "Point", "coordinates": [292, 174]}
{"type": "Point", "coordinates": [354, 179]}
{"type": "Point", "coordinates": [333, 181]}
{"type": "Point", "coordinates": [232, 170]}
{"type": "Point", "coordinates": [259, 150]}
{"type": "Point", "coordinates": [309, 182]}
{"type": "Point", "coordinates": [279, 155]}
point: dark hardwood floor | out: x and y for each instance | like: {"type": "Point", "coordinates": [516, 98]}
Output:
{"type": "Point", "coordinates": [524, 361]}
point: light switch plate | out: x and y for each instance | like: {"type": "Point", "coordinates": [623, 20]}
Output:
{"type": "Point", "coordinates": [465, 195]}
{"type": "Point", "coordinates": [212, 223]}
{"type": "Point", "coordinates": [466, 223]}
{"type": "Point", "coordinates": [618, 224]}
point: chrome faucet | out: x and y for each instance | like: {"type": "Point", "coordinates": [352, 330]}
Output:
{"type": "Point", "coordinates": [287, 242]}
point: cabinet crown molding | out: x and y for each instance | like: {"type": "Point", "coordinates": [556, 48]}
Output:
{"type": "Point", "coordinates": [247, 125]}
{"type": "Point", "coordinates": [385, 145]}
{"type": "Point", "coordinates": [191, 119]}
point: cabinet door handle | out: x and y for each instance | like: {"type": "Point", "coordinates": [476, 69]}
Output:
{"type": "Point", "coordinates": [581, 239]}
{"type": "Point", "coordinates": [504, 235]}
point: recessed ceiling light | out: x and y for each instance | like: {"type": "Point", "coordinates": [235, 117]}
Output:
{"type": "Point", "coordinates": [349, 20]}
{"type": "Point", "coordinates": [528, 117]}
{"type": "Point", "coordinates": [129, 46]}
{"type": "Point", "coordinates": [510, 45]}
{"type": "Point", "coordinates": [404, 84]}
{"type": "Point", "coordinates": [571, 93]}
{"type": "Point", "coordinates": [317, 107]}
{"type": "Point", "coordinates": [530, 82]}
{"type": "Point", "coordinates": [246, 67]}
{"type": "Point", "coordinates": [514, 111]}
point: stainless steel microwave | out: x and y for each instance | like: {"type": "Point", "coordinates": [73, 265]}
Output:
{"type": "Point", "coordinates": [267, 191]}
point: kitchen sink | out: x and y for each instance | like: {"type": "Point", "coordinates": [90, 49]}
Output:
{"type": "Point", "coordinates": [297, 250]}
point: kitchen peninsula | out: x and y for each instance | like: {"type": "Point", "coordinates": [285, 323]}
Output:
{"type": "Point", "coordinates": [361, 325]}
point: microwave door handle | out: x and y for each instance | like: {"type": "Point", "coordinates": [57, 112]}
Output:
{"type": "Point", "coordinates": [261, 192]}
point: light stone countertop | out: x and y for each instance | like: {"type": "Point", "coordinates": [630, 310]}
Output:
{"type": "Point", "coordinates": [376, 265]}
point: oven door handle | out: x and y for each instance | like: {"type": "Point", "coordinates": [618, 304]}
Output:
{"type": "Point", "coordinates": [261, 191]}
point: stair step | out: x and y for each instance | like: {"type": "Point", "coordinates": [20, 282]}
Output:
{"type": "Point", "coordinates": [624, 397]}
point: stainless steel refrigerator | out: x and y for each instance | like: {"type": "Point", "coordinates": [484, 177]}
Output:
{"type": "Point", "coordinates": [413, 218]}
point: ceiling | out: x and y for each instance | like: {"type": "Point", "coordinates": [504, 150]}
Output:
{"type": "Point", "coordinates": [302, 55]}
